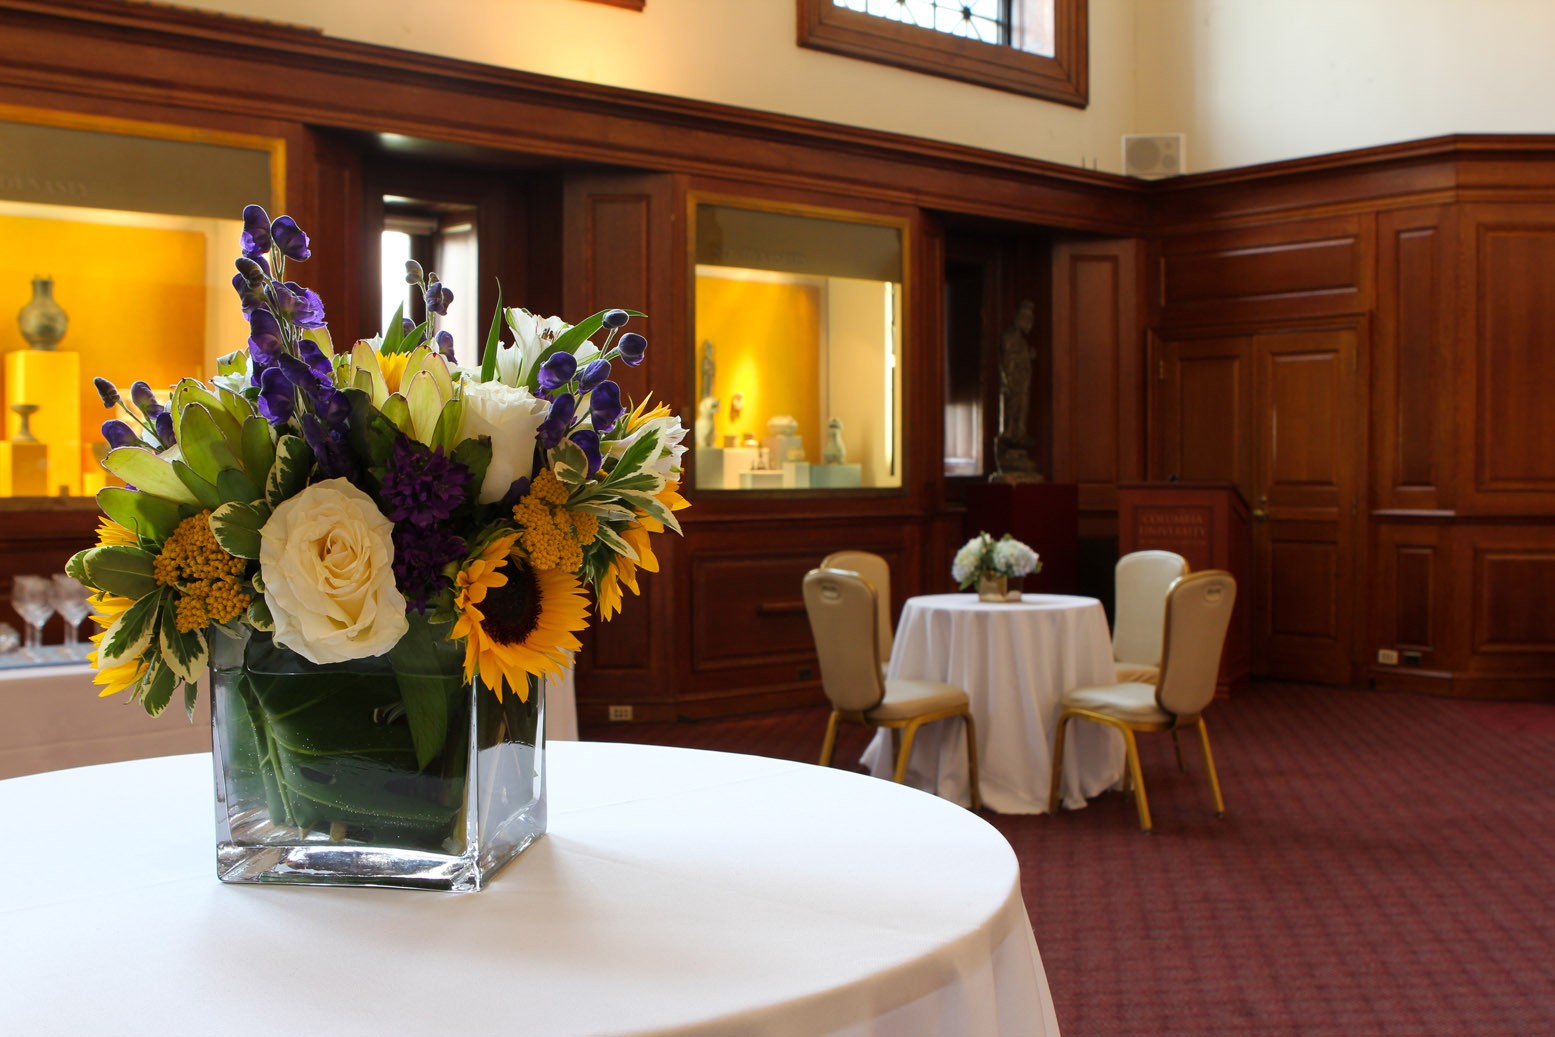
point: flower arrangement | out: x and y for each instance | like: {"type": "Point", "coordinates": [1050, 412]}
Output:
{"type": "Point", "coordinates": [378, 500]}
{"type": "Point", "coordinates": [984, 556]}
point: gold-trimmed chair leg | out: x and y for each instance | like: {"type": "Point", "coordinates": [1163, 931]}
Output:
{"type": "Point", "coordinates": [829, 744]}
{"type": "Point", "coordinates": [1209, 765]}
{"type": "Point", "coordinates": [904, 754]}
{"type": "Point", "coordinates": [1177, 748]}
{"type": "Point", "coordinates": [1055, 784]}
{"type": "Point", "coordinates": [1140, 802]}
{"type": "Point", "coordinates": [971, 760]}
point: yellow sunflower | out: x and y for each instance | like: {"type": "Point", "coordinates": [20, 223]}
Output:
{"type": "Point", "coordinates": [126, 674]}
{"type": "Point", "coordinates": [515, 620]}
{"type": "Point", "coordinates": [110, 532]}
{"type": "Point", "coordinates": [622, 571]}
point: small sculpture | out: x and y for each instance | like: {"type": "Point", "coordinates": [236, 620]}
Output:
{"type": "Point", "coordinates": [835, 452]}
{"type": "Point", "coordinates": [24, 411]}
{"type": "Point", "coordinates": [42, 320]}
{"type": "Point", "coordinates": [709, 368]}
{"type": "Point", "coordinates": [707, 413]}
{"type": "Point", "coordinates": [1013, 448]}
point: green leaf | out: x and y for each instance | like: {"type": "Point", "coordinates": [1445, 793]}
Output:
{"type": "Point", "coordinates": [474, 454]}
{"type": "Point", "coordinates": [234, 485]}
{"type": "Point", "coordinates": [235, 362]}
{"type": "Point", "coordinates": [120, 569]}
{"type": "Point", "coordinates": [205, 492]}
{"type": "Point", "coordinates": [154, 518]}
{"type": "Point", "coordinates": [238, 407]}
{"type": "Point", "coordinates": [258, 446]}
{"type": "Point", "coordinates": [570, 463]}
{"type": "Point", "coordinates": [258, 615]}
{"type": "Point", "coordinates": [446, 434]}
{"type": "Point", "coordinates": [397, 410]}
{"type": "Point", "coordinates": [157, 688]}
{"type": "Point", "coordinates": [185, 653]}
{"type": "Point", "coordinates": [191, 392]}
{"type": "Point", "coordinates": [493, 340]}
{"type": "Point", "coordinates": [236, 526]}
{"type": "Point", "coordinates": [642, 450]}
{"type": "Point", "coordinates": [611, 539]}
{"type": "Point", "coordinates": [656, 509]}
{"type": "Point", "coordinates": [289, 474]}
{"type": "Point", "coordinates": [321, 337]}
{"type": "Point", "coordinates": [191, 697]}
{"type": "Point", "coordinates": [203, 444]}
{"type": "Point", "coordinates": [148, 473]}
{"type": "Point", "coordinates": [372, 435]}
{"type": "Point", "coordinates": [130, 634]}
{"type": "Point", "coordinates": [569, 341]}
{"type": "Point", "coordinates": [76, 567]}
{"type": "Point", "coordinates": [422, 669]}
{"type": "Point", "coordinates": [395, 332]}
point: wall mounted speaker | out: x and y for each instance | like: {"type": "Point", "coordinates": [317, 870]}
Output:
{"type": "Point", "coordinates": [1151, 156]}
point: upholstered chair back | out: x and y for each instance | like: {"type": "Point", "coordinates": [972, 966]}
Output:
{"type": "Point", "coordinates": [1198, 612]}
{"type": "Point", "coordinates": [841, 607]}
{"type": "Point", "coordinates": [877, 573]}
{"type": "Point", "coordinates": [1139, 607]}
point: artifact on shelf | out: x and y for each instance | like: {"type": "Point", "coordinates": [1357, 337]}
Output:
{"type": "Point", "coordinates": [43, 320]}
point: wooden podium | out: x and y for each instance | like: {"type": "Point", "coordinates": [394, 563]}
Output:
{"type": "Point", "coordinates": [1208, 524]}
{"type": "Point", "coordinates": [1044, 516]}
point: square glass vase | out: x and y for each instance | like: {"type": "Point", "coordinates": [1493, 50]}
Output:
{"type": "Point", "coordinates": [321, 780]}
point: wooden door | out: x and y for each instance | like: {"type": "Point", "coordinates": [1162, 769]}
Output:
{"type": "Point", "coordinates": [1276, 413]}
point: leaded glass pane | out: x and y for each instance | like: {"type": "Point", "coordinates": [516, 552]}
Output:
{"type": "Point", "coordinates": [985, 20]}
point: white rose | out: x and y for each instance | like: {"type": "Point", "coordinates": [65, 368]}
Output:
{"type": "Point", "coordinates": [327, 558]}
{"type": "Point", "coordinates": [511, 417]}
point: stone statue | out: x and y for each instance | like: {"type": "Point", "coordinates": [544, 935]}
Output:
{"type": "Point", "coordinates": [1015, 357]}
{"type": "Point", "coordinates": [707, 412]}
{"type": "Point", "coordinates": [709, 368]}
{"type": "Point", "coordinates": [834, 452]}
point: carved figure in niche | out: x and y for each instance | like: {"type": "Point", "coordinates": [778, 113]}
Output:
{"type": "Point", "coordinates": [1015, 357]}
{"type": "Point", "coordinates": [835, 452]}
{"type": "Point", "coordinates": [707, 414]}
{"type": "Point", "coordinates": [709, 368]}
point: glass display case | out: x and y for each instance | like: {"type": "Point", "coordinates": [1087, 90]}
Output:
{"type": "Point", "coordinates": [798, 348]}
{"type": "Point", "coordinates": [116, 248]}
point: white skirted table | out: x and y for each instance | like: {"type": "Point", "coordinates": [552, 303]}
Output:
{"type": "Point", "coordinates": [1015, 660]}
{"type": "Point", "coordinates": [677, 892]}
{"type": "Point", "coordinates": [51, 718]}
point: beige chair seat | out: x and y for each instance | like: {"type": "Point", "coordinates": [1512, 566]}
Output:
{"type": "Point", "coordinates": [1143, 673]}
{"type": "Point", "coordinates": [1133, 701]}
{"type": "Point", "coordinates": [906, 698]}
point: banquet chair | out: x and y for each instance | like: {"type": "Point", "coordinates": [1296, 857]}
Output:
{"type": "Point", "coordinates": [877, 573]}
{"type": "Point", "coordinates": [1140, 581]}
{"type": "Point", "coordinates": [842, 609]}
{"type": "Point", "coordinates": [1198, 611]}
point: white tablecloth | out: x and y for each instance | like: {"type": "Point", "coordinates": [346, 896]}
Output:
{"type": "Point", "coordinates": [677, 891]}
{"type": "Point", "coordinates": [1015, 661]}
{"type": "Point", "coordinates": [51, 718]}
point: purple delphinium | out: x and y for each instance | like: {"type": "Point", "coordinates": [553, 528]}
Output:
{"type": "Point", "coordinates": [594, 372]}
{"type": "Point", "coordinates": [256, 231]}
{"type": "Point", "coordinates": [438, 297]}
{"type": "Point", "coordinates": [556, 372]}
{"type": "Point", "coordinates": [588, 441]}
{"type": "Point", "coordinates": [421, 489]}
{"type": "Point", "coordinates": [633, 347]}
{"type": "Point", "coordinates": [289, 238]}
{"type": "Point", "coordinates": [302, 306]}
{"type": "Point", "coordinates": [554, 428]}
{"type": "Point", "coordinates": [605, 407]}
{"type": "Point", "coordinates": [445, 345]}
{"type": "Point", "coordinates": [118, 433]}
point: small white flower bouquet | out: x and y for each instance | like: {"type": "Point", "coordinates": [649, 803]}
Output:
{"type": "Point", "coordinates": [985, 556]}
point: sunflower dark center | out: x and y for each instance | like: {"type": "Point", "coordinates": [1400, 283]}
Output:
{"type": "Point", "coordinates": [513, 610]}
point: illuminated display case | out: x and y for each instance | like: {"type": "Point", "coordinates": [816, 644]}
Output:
{"type": "Point", "coordinates": [798, 348]}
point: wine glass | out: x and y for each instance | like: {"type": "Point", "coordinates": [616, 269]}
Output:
{"type": "Point", "coordinates": [31, 599]}
{"type": "Point", "coordinates": [70, 598]}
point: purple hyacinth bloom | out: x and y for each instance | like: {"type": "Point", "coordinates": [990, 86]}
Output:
{"type": "Point", "coordinates": [302, 306]}
{"type": "Point", "coordinates": [264, 338]}
{"type": "Point", "coordinates": [289, 238]}
{"type": "Point", "coordinates": [420, 555]}
{"type": "Point", "coordinates": [118, 433]}
{"type": "Point", "coordinates": [145, 400]}
{"type": "Point", "coordinates": [163, 423]}
{"type": "Point", "coordinates": [632, 347]}
{"type": "Point", "coordinates": [106, 392]}
{"type": "Point", "coordinates": [256, 231]}
{"type": "Point", "coordinates": [615, 318]}
{"type": "Point", "coordinates": [588, 440]}
{"type": "Point", "coordinates": [593, 373]}
{"type": "Point", "coordinates": [557, 371]}
{"type": "Point", "coordinates": [438, 297]}
{"type": "Point", "coordinates": [445, 345]}
{"type": "Point", "coordinates": [422, 486]}
{"type": "Point", "coordinates": [275, 396]}
{"type": "Point", "coordinates": [556, 424]}
{"type": "Point", "coordinates": [605, 406]}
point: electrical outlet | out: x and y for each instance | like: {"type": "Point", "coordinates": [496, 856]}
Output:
{"type": "Point", "coordinates": [1387, 657]}
{"type": "Point", "coordinates": [620, 712]}
{"type": "Point", "coordinates": [1412, 659]}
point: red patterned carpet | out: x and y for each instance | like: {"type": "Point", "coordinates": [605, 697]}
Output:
{"type": "Point", "coordinates": [1385, 867]}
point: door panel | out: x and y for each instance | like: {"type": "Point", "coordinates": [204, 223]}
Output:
{"type": "Point", "coordinates": [1276, 413]}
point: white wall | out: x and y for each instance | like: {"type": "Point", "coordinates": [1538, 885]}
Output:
{"type": "Point", "coordinates": [743, 53]}
{"type": "Point", "coordinates": [1254, 81]}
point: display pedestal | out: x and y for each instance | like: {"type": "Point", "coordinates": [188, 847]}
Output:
{"type": "Point", "coordinates": [52, 380]}
{"type": "Point", "coordinates": [837, 476]}
{"type": "Point", "coordinates": [1206, 523]}
{"type": "Point", "coordinates": [24, 470]}
{"type": "Point", "coordinates": [761, 479]}
{"type": "Point", "coordinates": [1043, 516]}
{"type": "Point", "coordinates": [719, 468]}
